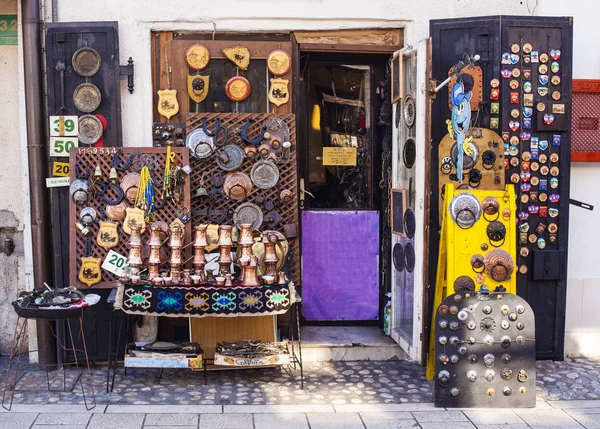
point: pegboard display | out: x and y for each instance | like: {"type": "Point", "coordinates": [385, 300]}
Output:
{"type": "Point", "coordinates": [486, 163]}
{"type": "Point", "coordinates": [484, 352]}
{"type": "Point", "coordinates": [206, 172]}
{"type": "Point", "coordinates": [586, 121]}
{"type": "Point", "coordinates": [84, 159]}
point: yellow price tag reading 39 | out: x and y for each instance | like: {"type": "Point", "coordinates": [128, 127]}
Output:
{"type": "Point", "coordinates": [60, 169]}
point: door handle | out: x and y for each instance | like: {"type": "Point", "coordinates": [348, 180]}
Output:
{"type": "Point", "coordinates": [302, 192]}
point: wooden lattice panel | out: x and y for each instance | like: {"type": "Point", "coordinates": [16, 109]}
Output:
{"type": "Point", "coordinates": [90, 157]}
{"type": "Point", "coordinates": [288, 178]}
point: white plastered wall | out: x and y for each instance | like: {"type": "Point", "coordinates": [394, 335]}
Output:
{"type": "Point", "coordinates": [582, 336]}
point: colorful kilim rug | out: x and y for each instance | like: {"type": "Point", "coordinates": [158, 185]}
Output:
{"type": "Point", "coordinates": [205, 300]}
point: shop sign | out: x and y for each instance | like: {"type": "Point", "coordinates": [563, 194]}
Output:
{"type": "Point", "coordinates": [339, 156]}
{"type": "Point", "coordinates": [8, 29]}
{"type": "Point", "coordinates": [115, 263]}
{"type": "Point", "coordinates": [61, 126]}
{"type": "Point", "coordinates": [60, 169]}
{"type": "Point", "coordinates": [60, 146]}
{"type": "Point", "coordinates": [55, 182]}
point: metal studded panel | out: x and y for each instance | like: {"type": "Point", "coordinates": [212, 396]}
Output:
{"type": "Point", "coordinates": [85, 158]}
{"type": "Point", "coordinates": [202, 170]}
{"type": "Point", "coordinates": [586, 122]}
{"type": "Point", "coordinates": [485, 352]}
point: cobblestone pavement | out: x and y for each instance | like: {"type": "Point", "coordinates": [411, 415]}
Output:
{"type": "Point", "coordinates": [326, 383]}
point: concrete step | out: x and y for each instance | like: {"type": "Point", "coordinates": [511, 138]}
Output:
{"type": "Point", "coordinates": [348, 343]}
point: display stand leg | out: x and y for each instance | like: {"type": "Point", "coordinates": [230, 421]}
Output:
{"type": "Point", "coordinates": [296, 305]}
{"type": "Point", "coordinates": [110, 340]}
{"type": "Point", "coordinates": [119, 334]}
{"type": "Point", "coordinates": [87, 362]}
{"type": "Point", "coordinates": [17, 345]}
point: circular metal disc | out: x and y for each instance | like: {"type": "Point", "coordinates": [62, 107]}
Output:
{"type": "Point", "coordinates": [237, 88]}
{"type": "Point", "coordinates": [264, 174]}
{"type": "Point", "coordinates": [409, 154]}
{"type": "Point", "coordinates": [409, 257]}
{"type": "Point", "coordinates": [248, 213]}
{"type": "Point", "coordinates": [409, 111]}
{"type": "Point", "coordinates": [236, 157]}
{"type": "Point", "coordinates": [200, 144]}
{"type": "Point", "coordinates": [410, 223]}
{"type": "Point", "coordinates": [90, 129]}
{"type": "Point", "coordinates": [87, 97]}
{"type": "Point", "coordinates": [86, 61]}
{"type": "Point", "coordinates": [398, 254]}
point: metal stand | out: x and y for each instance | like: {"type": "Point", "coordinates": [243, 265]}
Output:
{"type": "Point", "coordinates": [295, 348]}
{"type": "Point", "coordinates": [19, 344]}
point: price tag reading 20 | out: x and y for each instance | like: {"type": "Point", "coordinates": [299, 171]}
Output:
{"type": "Point", "coordinates": [115, 263]}
{"type": "Point", "coordinates": [61, 126]}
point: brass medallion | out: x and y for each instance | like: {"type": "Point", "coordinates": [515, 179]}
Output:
{"type": "Point", "coordinates": [87, 97]}
{"type": "Point", "coordinates": [279, 62]}
{"type": "Point", "coordinates": [197, 57]}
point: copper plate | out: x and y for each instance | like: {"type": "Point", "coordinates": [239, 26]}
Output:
{"type": "Point", "coordinates": [87, 97]}
{"type": "Point", "coordinates": [130, 180]}
{"type": "Point", "coordinates": [237, 88]}
{"type": "Point", "coordinates": [90, 129]}
{"type": "Point", "coordinates": [248, 213]}
{"type": "Point", "coordinates": [264, 174]}
{"type": "Point", "coordinates": [116, 212]}
{"type": "Point", "coordinates": [86, 61]}
{"type": "Point", "coordinates": [235, 155]}
{"type": "Point", "coordinates": [237, 186]}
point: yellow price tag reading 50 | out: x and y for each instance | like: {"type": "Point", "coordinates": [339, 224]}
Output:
{"type": "Point", "coordinates": [60, 169]}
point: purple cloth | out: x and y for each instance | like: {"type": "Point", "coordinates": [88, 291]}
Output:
{"type": "Point", "coordinates": [340, 258]}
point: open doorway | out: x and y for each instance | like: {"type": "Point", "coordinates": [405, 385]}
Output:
{"type": "Point", "coordinates": [340, 173]}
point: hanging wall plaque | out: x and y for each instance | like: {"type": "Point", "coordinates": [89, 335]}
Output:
{"type": "Point", "coordinates": [279, 94]}
{"type": "Point", "coordinates": [90, 274]}
{"type": "Point", "coordinates": [167, 102]}
{"type": "Point", "coordinates": [197, 57]}
{"type": "Point", "coordinates": [108, 235]}
{"type": "Point", "coordinates": [87, 97]}
{"type": "Point", "coordinates": [198, 87]}
{"type": "Point", "coordinates": [86, 61]}
{"type": "Point", "coordinates": [237, 88]}
{"type": "Point", "coordinates": [90, 129]}
{"type": "Point", "coordinates": [279, 62]}
{"type": "Point", "coordinates": [239, 56]}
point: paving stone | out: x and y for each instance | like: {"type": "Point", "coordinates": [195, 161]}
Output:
{"type": "Point", "coordinates": [360, 408]}
{"type": "Point", "coordinates": [497, 416]}
{"type": "Point", "coordinates": [387, 415]}
{"type": "Point", "coordinates": [277, 409]}
{"type": "Point", "coordinates": [335, 420]}
{"type": "Point", "coordinates": [547, 418]}
{"type": "Point", "coordinates": [59, 427]}
{"type": "Point", "coordinates": [225, 421]}
{"type": "Point", "coordinates": [287, 421]}
{"type": "Point", "coordinates": [446, 416]}
{"type": "Point", "coordinates": [16, 420]}
{"type": "Point", "coordinates": [116, 421]}
{"type": "Point", "coordinates": [589, 421]}
{"type": "Point", "coordinates": [166, 409]}
{"type": "Point", "coordinates": [171, 420]}
{"type": "Point", "coordinates": [440, 425]}
{"type": "Point", "coordinates": [578, 411]}
{"type": "Point", "coordinates": [504, 426]}
{"type": "Point", "coordinates": [390, 424]}
{"type": "Point", "coordinates": [62, 419]}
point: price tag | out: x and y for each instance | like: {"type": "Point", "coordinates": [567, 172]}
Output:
{"type": "Point", "coordinates": [115, 263]}
{"type": "Point", "coordinates": [60, 146]}
{"type": "Point", "coordinates": [61, 126]}
{"type": "Point", "coordinates": [55, 182]}
{"type": "Point", "coordinates": [60, 169]}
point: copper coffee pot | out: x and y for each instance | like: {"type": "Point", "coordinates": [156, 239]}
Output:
{"type": "Point", "coordinates": [154, 259]}
{"type": "Point", "coordinates": [225, 243]}
{"type": "Point", "coordinates": [200, 243]}
{"type": "Point", "coordinates": [135, 248]}
{"type": "Point", "coordinates": [176, 243]}
{"type": "Point", "coordinates": [250, 275]}
{"type": "Point", "coordinates": [271, 260]}
{"type": "Point", "coordinates": [246, 241]}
